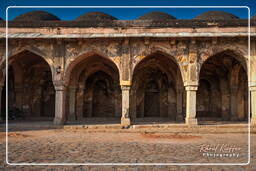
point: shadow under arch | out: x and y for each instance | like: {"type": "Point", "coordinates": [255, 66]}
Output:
{"type": "Point", "coordinates": [82, 58]}
{"type": "Point", "coordinates": [156, 83]}
{"type": "Point", "coordinates": [224, 96]}
{"type": "Point", "coordinates": [94, 93]}
{"type": "Point", "coordinates": [161, 52]}
{"type": "Point", "coordinates": [30, 88]}
{"type": "Point", "coordinates": [13, 54]}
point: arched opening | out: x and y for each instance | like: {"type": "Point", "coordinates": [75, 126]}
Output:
{"type": "Point", "coordinates": [223, 89]}
{"type": "Point", "coordinates": [31, 94]}
{"type": "Point", "coordinates": [155, 92]}
{"type": "Point", "coordinates": [97, 95]}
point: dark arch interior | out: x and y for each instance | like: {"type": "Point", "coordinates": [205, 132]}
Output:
{"type": "Point", "coordinates": [153, 92]}
{"type": "Point", "coordinates": [98, 93]}
{"type": "Point", "coordinates": [31, 93]}
{"type": "Point", "coordinates": [223, 89]}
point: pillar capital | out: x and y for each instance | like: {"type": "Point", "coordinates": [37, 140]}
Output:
{"type": "Point", "coordinates": [191, 87]}
{"type": "Point", "coordinates": [253, 88]}
{"type": "Point", "coordinates": [125, 83]}
{"type": "Point", "coordinates": [59, 85]}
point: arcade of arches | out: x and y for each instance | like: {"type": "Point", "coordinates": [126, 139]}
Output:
{"type": "Point", "coordinates": [156, 93]}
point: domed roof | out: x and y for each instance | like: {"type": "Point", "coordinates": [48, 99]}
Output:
{"type": "Point", "coordinates": [216, 15]}
{"type": "Point", "coordinates": [156, 16]}
{"type": "Point", "coordinates": [36, 16]}
{"type": "Point", "coordinates": [95, 16]}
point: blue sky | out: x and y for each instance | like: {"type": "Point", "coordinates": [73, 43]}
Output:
{"type": "Point", "coordinates": [127, 14]}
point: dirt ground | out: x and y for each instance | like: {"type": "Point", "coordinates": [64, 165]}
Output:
{"type": "Point", "coordinates": [79, 146]}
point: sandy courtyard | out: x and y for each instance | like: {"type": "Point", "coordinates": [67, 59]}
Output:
{"type": "Point", "coordinates": [79, 146]}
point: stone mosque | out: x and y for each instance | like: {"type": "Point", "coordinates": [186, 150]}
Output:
{"type": "Point", "coordinates": [153, 69]}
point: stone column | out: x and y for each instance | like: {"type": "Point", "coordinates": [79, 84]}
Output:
{"type": "Point", "coordinates": [191, 105]}
{"type": "Point", "coordinates": [253, 105]}
{"type": "Point", "coordinates": [72, 104]}
{"type": "Point", "coordinates": [233, 103]}
{"type": "Point", "coordinates": [225, 105]}
{"type": "Point", "coordinates": [19, 96]}
{"type": "Point", "coordinates": [125, 119]}
{"type": "Point", "coordinates": [80, 102]}
{"type": "Point", "coordinates": [116, 102]}
{"type": "Point", "coordinates": [179, 93]}
{"type": "Point", "coordinates": [225, 99]}
{"type": "Point", "coordinates": [60, 104]}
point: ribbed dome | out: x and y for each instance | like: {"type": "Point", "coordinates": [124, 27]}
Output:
{"type": "Point", "coordinates": [156, 16]}
{"type": "Point", "coordinates": [216, 15]}
{"type": "Point", "coordinates": [95, 16]}
{"type": "Point", "coordinates": [36, 16]}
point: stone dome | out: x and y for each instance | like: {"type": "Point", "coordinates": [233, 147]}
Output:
{"type": "Point", "coordinates": [95, 16]}
{"type": "Point", "coordinates": [156, 16]}
{"type": "Point", "coordinates": [36, 16]}
{"type": "Point", "coordinates": [216, 15]}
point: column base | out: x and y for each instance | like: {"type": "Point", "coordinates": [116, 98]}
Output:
{"type": "Point", "coordinates": [253, 122]}
{"type": "Point", "coordinates": [191, 121]}
{"type": "Point", "coordinates": [125, 122]}
{"type": "Point", "coordinates": [58, 121]}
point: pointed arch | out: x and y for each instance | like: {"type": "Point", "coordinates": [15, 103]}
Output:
{"type": "Point", "coordinates": [162, 52]}
{"type": "Point", "coordinates": [155, 80]}
{"type": "Point", "coordinates": [82, 58]}
{"type": "Point", "coordinates": [33, 89]}
{"type": "Point", "coordinates": [92, 75]}
{"type": "Point", "coordinates": [223, 71]}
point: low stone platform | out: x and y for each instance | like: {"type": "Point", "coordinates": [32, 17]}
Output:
{"type": "Point", "coordinates": [165, 127]}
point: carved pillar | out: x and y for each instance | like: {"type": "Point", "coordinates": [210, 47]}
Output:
{"type": "Point", "coordinates": [225, 105]}
{"type": "Point", "coordinates": [225, 100]}
{"type": "Point", "coordinates": [171, 104]}
{"type": "Point", "coordinates": [19, 96]}
{"type": "Point", "coordinates": [116, 101]}
{"type": "Point", "coordinates": [253, 105]}
{"type": "Point", "coordinates": [191, 84]}
{"type": "Point", "coordinates": [72, 104]}
{"type": "Point", "coordinates": [125, 119]}
{"type": "Point", "coordinates": [60, 101]}
{"type": "Point", "coordinates": [179, 101]}
{"type": "Point", "coordinates": [233, 103]}
{"type": "Point", "coordinates": [191, 105]}
{"type": "Point", "coordinates": [80, 102]}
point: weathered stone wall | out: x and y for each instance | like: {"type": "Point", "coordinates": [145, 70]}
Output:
{"type": "Point", "coordinates": [172, 65]}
